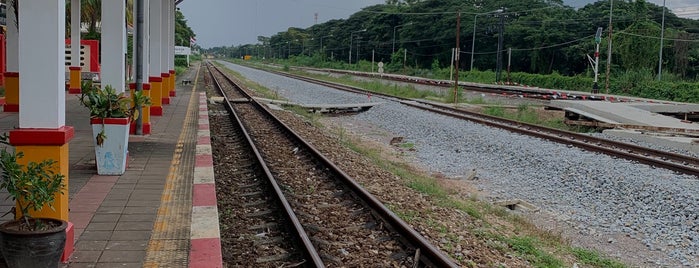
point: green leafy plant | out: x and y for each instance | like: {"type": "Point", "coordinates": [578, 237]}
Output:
{"type": "Point", "coordinates": [31, 187]}
{"type": "Point", "coordinates": [106, 103]}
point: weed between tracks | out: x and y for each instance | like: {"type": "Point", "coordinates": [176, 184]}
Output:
{"type": "Point", "coordinates": [508, 233]}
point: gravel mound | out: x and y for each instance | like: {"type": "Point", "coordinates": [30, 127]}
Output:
{"type": "Point", "coordinates": [597, 193]}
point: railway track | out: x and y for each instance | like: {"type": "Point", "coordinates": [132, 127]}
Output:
{"type": "Point", "coordinates": [255, 230]}
{"type": "Point", "coordinates": [672, 161]}
{"type": "Point", "coordinates": [505, 90]}
{"type": "Point", "coordinates": [335, 221]}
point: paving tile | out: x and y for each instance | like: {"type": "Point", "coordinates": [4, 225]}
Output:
{"type": "Point", "coordinates": [101, 217]}
{"type": "Point", "coordinates": [102, 178]}
{"type": "Point", "coordinates": [80, 219]}
{"type": "Point", "coordinates": [79, 265]}
{"type": "Point", "coordinates": [86, 207]}
{"type": "Point", "coordinates": [95, 235]}
{"type": "Point", "coordinates": [150, 186]}
{"type": "Point", "coordinates": [87, 198]}
{"type": "Point", "coordinates": [106, 209]}
{"type": "Point", "coordinates": [130, 235]}
{"type": "Point", "coordinates": [117, 245]}
{"type": "Point", "coordinates": [115, 203]}
{"type": "Point", "coordinates": [120, 265]}
{"type": "Point", "coordinates": [129, 186]}
{"type": "Point", "coordinates": [140, 210]}
{"type": "Point", "coordinates": [118, 196]}
{"type": "Point", "coordinates": [120, 192]}
{"type": "Point", "coordinates": [122, 256]}
{"type": "Point", "coordinates": [149, 197]}
{"type": "Point", "coordinates": [134, 226]}
{"type": "Point", "coordinates": [140, 203]}
{"type": "Point", "coordinates": [83, 245]}
{"type": "Point", "coordinates": [137, 218]}
{"type": "Point", "coordinates": [78, 233]}
{"type": "Point", "coordinates": [101, 226]}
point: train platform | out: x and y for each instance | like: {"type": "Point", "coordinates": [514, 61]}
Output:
{"type": "Point", "coordinates": [634, 115]}
{"type": "Point", "coordinates": [143, 218]}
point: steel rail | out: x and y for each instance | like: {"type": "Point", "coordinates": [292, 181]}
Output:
{"type": "Point", "coordinates": [673, 161]}
{"type": "Point", "coordinates": [307, 247]}
{"type": "Point", "coordinates": [429, 254]}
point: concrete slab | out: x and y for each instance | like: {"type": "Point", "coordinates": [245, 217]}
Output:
{"type": "Point", "coordinates": [629, 114]}
{"type": "Point", "coordinates": [671, 141]}
{"type": "Point", "coordinates": [324, 108]}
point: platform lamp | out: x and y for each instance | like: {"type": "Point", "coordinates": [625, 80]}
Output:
{"type": "Point", "coordinates": [595, 62]}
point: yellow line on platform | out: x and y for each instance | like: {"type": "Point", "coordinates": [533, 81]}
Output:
{"type": "Point", "coordinates": [154, 252]}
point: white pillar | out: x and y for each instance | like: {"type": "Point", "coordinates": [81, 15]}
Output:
{"type": "Point", "coordinates": [113, 44]}
{"type": "Point", "coordinates": [155, 29]}
{"type": "Point", "coordinates": [171, 49]}
{"type": "Point", "coordinates": [12, 44]}
{"type": "Point", "coordinates": [165, 35]}
{"type": "Point", "coordinates": [43, 64]}
{"type": "Point", "coordinates": [146, 39]}
{"type": "Point", "coordinates": [75, 33]}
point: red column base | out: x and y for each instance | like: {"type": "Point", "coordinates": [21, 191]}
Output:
{"type": "Point", "coordinates": [75, 91]}
{"type": "Point", "coordinates": [166, 100]}
{"type": "Point", "coordinates": [156, 111]}
{"type": "Point", "coordinates": [70, 243]}
{"type": "Point", "coordinates": [173, 94]}
{"type": "Point", "coordinates": [146, 129]}
{"type": "Point", "coordinates": [11, 108]}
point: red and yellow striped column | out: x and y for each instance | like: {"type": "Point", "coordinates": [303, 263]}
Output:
{"type": "Point", "coordinates": [38, 145]}
{"type": "Point", "coordinates": [172, 83]}
{"type": "Point", "coordinates": [74, 86]}
{"type": "Point", "coordinates": [145, 111]}
{"type": "Point", "coordinates": [11, 92]}
{"type": "Point", "coordinates": [156, 84]}
{"type": "Point", "coordinates": [165, 88]}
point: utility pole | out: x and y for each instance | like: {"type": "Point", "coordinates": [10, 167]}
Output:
{"type": "Point", "coordinates": [405, 56]}
{"type": "Point", "coordinates": [456, 58]}
{"type": "Point", "coordinates": [662, 34]}
{"type": "Point", "coordinates": [451, 65]}
{"type": "Point", "coordinates": [140, 36]}
{"type": "Point", "coordinates": [609, 48]}
{"type": "Point", "coordinates": [501, 40]}
{"type": "Point", "coordinates": [509, 63]}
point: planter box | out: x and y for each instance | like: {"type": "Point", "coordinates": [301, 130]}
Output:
{"type": "Point", "coordinates": [111, 156]}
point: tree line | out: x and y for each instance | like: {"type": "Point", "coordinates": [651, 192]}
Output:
{"type": "Point", "coordinates": [542, 36]}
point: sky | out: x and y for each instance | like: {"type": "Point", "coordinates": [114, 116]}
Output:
{"type": "Point", "coordinates": [238, 22]}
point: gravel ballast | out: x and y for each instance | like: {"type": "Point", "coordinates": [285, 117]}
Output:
{"type": "Point", "coordinates": [598, 194]}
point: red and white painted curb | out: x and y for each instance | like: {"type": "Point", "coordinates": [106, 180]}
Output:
{"type": "Point", "coordinates": [205, 238]}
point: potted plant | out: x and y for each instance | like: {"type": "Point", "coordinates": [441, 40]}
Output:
{"type": "Point", "coordinates": [27, 241]}
{"type": "Point", "coordinates": [110, 116]}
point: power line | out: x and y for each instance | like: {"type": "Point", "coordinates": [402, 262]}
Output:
{"type": "Point", "coordinates": [654, 37]}
{"type": "Point", "coordinates": [448, 12]}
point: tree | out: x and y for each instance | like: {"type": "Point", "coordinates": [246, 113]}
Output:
{"type": "Point", "coordinates": [182, 32]}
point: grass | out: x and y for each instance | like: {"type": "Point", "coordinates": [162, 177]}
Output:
{"type": "Point", "coordinates": [527, 247]}
{"type": "Point", "coordinates": [179, 70]}
{"type": "Point", "coordinates": [593, 258]}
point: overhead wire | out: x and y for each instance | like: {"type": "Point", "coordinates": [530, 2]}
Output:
{"type": "Point", "coordinates": [655, 37]}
